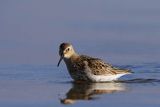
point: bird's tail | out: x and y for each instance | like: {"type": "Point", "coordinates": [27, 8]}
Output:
{"type": "Point", "coordinates": [122, 71]}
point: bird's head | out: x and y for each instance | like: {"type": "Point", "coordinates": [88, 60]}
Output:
{"type": "Point", "coordinates": [65, 51]}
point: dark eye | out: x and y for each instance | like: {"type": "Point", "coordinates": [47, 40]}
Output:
{"type": "Point", "coordinates": [68, 49]}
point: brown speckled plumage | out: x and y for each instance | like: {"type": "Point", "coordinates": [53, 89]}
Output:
{"type": "Point", "coordinates": [76, 65]}
{"type": "Point", "coordinates": [97, 66]}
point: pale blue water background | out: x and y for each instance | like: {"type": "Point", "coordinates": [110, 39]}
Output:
{"type": "Point", "coordinates": [123, 32]}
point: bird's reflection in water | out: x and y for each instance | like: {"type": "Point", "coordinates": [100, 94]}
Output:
{"type": "Point", "coordinates": [88, 91]}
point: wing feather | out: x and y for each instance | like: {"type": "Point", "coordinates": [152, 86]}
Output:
{"type": "Point", "coordinates": [99, 67]}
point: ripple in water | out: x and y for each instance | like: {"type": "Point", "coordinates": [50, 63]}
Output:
{"type": "Point", "coordinates": [142, 73]}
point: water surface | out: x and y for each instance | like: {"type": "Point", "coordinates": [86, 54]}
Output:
{"type": "Point", "coordinates": [122, 32]}
{"type": "Point", "coordinates": [46, 85]}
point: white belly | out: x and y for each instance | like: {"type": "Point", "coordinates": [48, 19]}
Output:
{"type": "Point", "coordinates": [104, 78]}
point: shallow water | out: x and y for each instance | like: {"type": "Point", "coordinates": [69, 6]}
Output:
{"type": "Point", "coordinates": [47, 85]}
{"type": "Point", "coordinates": [122, 32]}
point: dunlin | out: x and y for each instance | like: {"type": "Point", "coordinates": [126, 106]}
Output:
{"type": "Point", "coordinates": [86, 68]}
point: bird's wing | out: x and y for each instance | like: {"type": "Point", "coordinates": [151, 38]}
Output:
{"type": "Point", "coordinates": [99, 67]}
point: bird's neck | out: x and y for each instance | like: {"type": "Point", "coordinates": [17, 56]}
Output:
{"type": "Point", "coordinates": [71, 58]}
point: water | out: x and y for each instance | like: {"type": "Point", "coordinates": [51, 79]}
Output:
{"type": "Point", "coordinates": [46, 85]}
{"type": "Point", "coordinates": [122, 32]}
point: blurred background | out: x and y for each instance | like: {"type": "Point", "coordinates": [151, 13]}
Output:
{"type": "Point", "coordinates": [118, 31]}
{"type": "Point", "coordinates": [125, 33]}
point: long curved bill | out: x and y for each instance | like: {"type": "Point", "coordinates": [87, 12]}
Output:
{"type": "Point", "coordinates": [59, 61]}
